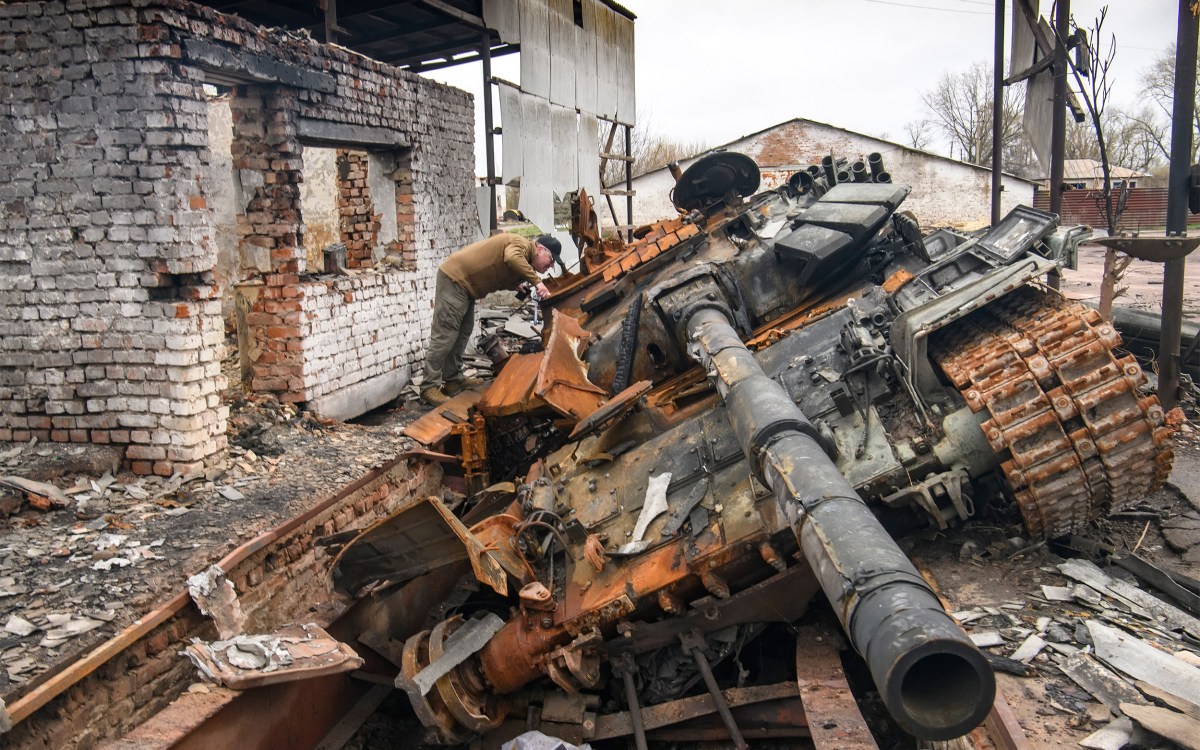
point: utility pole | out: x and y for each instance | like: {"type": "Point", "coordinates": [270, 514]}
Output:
{"type": "Point", "coordinates": [1058, 132]}
{"type": "Point", "coordinates": [1182, 112]}
{"type": "Point", "coordinates": [997, 113]}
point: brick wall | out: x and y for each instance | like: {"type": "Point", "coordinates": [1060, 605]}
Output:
{"type": "Point", "coordinates": [358, 223]}
{"type": "Point", "coordinates": [110, 328]}
{"type": "Point", "coordinates": [277, 584]}
{"type": "Point", "coordinates": [110, 315]}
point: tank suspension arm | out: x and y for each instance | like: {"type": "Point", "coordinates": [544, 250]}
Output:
{"type": "Point", "coordinates": [934, 681]}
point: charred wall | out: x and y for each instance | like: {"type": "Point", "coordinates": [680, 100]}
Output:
{"type": "Point", "coordinates": [110, 303]}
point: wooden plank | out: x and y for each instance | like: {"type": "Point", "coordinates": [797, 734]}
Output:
{"type": "Point", "coordinates": [611, 191]}
{"type": "Point", "coordinates": [685, 709]}
{"type": "Point", "coordinates": [834, 719]}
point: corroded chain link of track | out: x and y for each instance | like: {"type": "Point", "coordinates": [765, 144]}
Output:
{"type": "Point", "coordinates": [1075, 437]}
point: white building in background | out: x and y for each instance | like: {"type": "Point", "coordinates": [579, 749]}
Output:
{"type": "Point", "coordinates": [945, 192]}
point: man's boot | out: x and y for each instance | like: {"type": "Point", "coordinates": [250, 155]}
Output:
{"type": "Point", "coordinates": [435, 395]}
{"type": "Point", "coordinates": [457, 386]}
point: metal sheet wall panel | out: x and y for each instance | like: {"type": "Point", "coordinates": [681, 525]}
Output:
{"type": "Point", "coordinates": [1146, 208]}
{"type": "Point", "coordinates": [537, 172]}
{"type": "Point", "coordinates": [606, 61]}
{"type": "Point", "coordinates": [1021, 54]}
{"type": "Point", "coordinates": [535, 48]}
{"type": "Point", "coordinates": [564, 130]}
{"type": "Point", "coordinates": [624, 78]}
{"type": "Point", "coordinates": [562, 53]}
{"type": "Point", "coordinates": [585, 60]}
{"type": "Point", "coordinates": [505, 17]}
{"type": "Point", "coordinates": [588, 158]}
{"type": "Point", "coordinates": [483, 199]}
{"type": "Point", "coordinates": [513, 134]}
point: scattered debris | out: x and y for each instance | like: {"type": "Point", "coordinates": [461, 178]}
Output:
{"type": "Point", "coordinates": [295, 652]}
{"type": "Point", "coordinates": [216, 597]}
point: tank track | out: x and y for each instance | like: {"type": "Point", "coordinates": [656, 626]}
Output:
{"type": "Point", "coordinates": [1076, 438]}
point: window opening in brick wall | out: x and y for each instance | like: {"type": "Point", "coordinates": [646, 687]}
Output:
{"type": "Point", "coordinates": [319, 203]}
{"type": "Point", "coordinates": [222, 194]}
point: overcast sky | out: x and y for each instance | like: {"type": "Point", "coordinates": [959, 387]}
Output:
{"type": "Point", "coordinates": [714, 70]}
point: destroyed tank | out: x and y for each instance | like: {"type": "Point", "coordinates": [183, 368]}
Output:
{"type": "Point", "coordinates": [738, 409]}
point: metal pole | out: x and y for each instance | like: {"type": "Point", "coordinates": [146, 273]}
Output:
{"type": "Point", "coordinates": [1058, 132]}
{"type": "Point", "coordinates": [629, 183]}
{"type": "Point", "coordinates": [489, 145]}
{"type": "Point", "coordinates": [1177, 197]}
{"type": "Point", "coordinates": [997, 113]}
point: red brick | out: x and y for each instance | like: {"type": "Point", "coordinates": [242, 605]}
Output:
{"type": "Point", "coordinates": [143, 468]}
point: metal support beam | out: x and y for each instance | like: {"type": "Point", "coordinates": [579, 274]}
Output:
{"type": "Point", "coordinates": [331, 19]}
{"type": "Point", "coordinates": [998, 113]}
{"type": "Point", "coordinates": [1058, 133]}
{"type": "Point", "coordinates": [489, 140]}
{"type": "Point", "coordinates": [1183, 110]}
{"type": "Point", "coordinates": [629, 180]}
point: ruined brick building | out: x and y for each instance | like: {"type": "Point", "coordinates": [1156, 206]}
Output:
{"type": "Point", "coordinates": [111, 326]}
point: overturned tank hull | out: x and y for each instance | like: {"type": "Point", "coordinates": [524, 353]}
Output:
{"type": "Point", "coordinates": [734, 413]}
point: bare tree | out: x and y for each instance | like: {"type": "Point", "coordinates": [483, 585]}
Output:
{"type": "Point", "coordinates": [917, 133]}
{"type": "Point", "coordinates": [961, 109]}
{"type": "Point", "coordinates": [1158, 83]}
{"type": "Point", "coordinates": [1094, 89]}
{"type": "Point", "coordinates": [650, 149]}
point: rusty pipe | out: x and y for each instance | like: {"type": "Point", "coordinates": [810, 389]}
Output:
{"type": "Point", "coordinates": [934, 681]}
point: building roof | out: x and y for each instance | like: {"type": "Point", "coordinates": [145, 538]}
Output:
{"type": "Point", "coordinates": [892, 144]}
{"type": "Point", "coordinates": [1090, 169]}
{"type": "Point", "coordinates": [418, 34]}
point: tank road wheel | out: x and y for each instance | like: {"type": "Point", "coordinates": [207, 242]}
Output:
{"type": "Point", "coordinates": [463, 689]}
{"type": "Point", "coordinates": [1076, 439]}
{"type": "Point", "coordinates": [430, 708]}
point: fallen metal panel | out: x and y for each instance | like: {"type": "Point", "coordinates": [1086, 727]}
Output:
{"type": "Point", "coordinates": [562, 53]}
{"type": "Point", "coordinates": [535, 48]}
{"type": "Point", "coordinates": [588, 156]}
{"type": "Point", "coordinates": [585, 61]}
{"type": "Point", "coordinates": [296, 652]}
{"type": "Point", "coordinates": [467, 640]}
{"type": "Point", "coordinates": [826, 694]}
{"type": "Point", "coordinates": [562, 377]}
{"type": "Point", "coordinates": [504, 16]}
{"type": "Point", "coordinates": [512, 121]}
{"type": "Point", "coordinates": [512, 390]}
{"type": "Point", "coordinates": [564, 128]}
{"type": "Point", "coordinates": [434, 427]}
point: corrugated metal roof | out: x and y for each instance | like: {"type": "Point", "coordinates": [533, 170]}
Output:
{"type": "Point", "coordinates": [419, 34]}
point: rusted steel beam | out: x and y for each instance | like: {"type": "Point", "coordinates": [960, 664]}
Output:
{"type": "Point", "coordinates": [684, 709]}
{"type": "Point", "coordinates": [838, 724]}
{"type": "Point", "coordinates": [1004, 728]}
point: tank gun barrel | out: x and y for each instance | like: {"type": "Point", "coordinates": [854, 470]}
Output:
{"type": "Point", "coordinates": [934, 681]}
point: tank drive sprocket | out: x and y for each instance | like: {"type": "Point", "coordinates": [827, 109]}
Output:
{"type": "Point", "coordinates": [1076, 437]}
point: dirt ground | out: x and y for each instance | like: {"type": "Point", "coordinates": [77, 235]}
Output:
{"type": "Point", "coordinates": [73, 577]}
